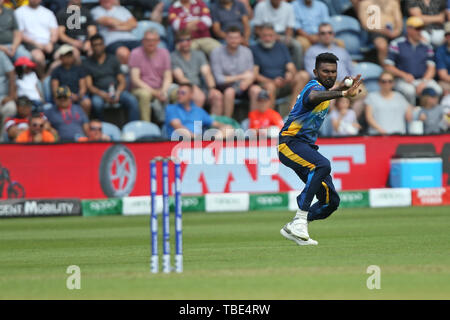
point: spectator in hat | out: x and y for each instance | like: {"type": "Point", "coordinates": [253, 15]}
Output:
{"type": "Point", "coordinates": [39, 32]}
{"type": "Point", "coordinates": [67, 118]}
{"type": "Point", "coordinates": [443, 61]}
{"type": "Point", "coordinates": [71, 75]}
{"type": "Point", "coordinates": [28, 82]}
{"type": "Point", "coordinates": [36, 132]}
{"type": "Point", "coordinates": [432, 13]}
{"type": "Point", "coordinates": [412, 62]}
{"type": "Point", "coordinates": [184, 118]}
{"type": "Point", "coordinates": [8, 90]}
{"type": "Point", "coordinates": [432, 113]}
{"type": "Point", "coordinates": [387, 111]}
{"type": "Point", "coordinates": [115, 24]}
{"type": "Point", "coordinates": [17, 123]}
{"type": "Point", "coordinates": [10, 36]}
{"type": "Point", "coordinates": [106, 82]}
{"type": "Point", "coordinates": [77, 37]}
{"type": "Point", "coordinates": [94, 132]}
{"type": "Point", "coordinates": [264, 116]}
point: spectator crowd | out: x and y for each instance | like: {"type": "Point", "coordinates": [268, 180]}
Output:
{"type": "Point", "coordinates": [68, 66]}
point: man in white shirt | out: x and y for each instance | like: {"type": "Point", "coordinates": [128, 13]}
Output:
{"type": "Point", "coordinates": [39, 31]}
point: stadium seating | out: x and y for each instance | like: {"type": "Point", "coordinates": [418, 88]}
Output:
{"type": "Point", "coordinates": [112, 131]}
{"type": "Point", "coordinates": [348, 30]}
{"type": "Point", "coordinates": [140, 130]}
{"type": "Point", "coordinates": [370, 72]}
{"type": "Point", "coordinates": [245, 124]}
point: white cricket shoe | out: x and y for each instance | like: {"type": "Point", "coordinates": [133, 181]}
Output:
{"type": "Point", "coordinates": [286, 232]}
{"type": "Point", "coordinates": [299, 226]}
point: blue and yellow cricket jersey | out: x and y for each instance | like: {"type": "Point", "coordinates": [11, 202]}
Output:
{"type": "Point", "coordinates": [305, 120]}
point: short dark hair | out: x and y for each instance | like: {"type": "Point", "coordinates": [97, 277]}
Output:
{"type": "Point", "coordinates": [186, 84]}
{"type": "Point", "coordinates": [326, 57]}
{"type": "Point", "coordinates": [233, 28]}
{"type": "Point", "coordinates": [95, 37]}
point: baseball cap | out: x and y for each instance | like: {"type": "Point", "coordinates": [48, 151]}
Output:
{"type": "Point", "coordinates": [63, 92]}
{"type": "Point", "coordinates": [429, 92]}
{"type": "Point", "coordinates": [24, 61]}
{"type": "Point", "coordinates": [263, 95]}
{"type": "Point", "coordinates": [414, 22]}
{"type": "Point", "coordinates": [64, 49]}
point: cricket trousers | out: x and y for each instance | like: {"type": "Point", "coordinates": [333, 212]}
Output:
{"type": "Point", "coordinates": [314, 170]}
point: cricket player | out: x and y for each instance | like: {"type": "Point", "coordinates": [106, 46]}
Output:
{"type": "Point", "coordinates": [298, 151]}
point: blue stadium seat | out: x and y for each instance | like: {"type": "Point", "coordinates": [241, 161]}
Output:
{"type": "Point", "coordinates": [112, 131]}
{"type": "Point", "coordinates": [370, 72]}
{"type": "Point", "coordinates": [348, 30]}
{"type": "Point", "coordinates": [245, 124]}
{"type": "Point", "coordinates": [47, 89]}
{"type": "Point", "coordinates": [140, 130]}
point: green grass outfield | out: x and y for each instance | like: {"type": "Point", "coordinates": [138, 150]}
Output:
{"type": "Point", "coordinates": [232, 256]}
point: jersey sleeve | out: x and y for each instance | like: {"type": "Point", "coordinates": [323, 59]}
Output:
{"type": "Point", "coordinates": [306, 102]}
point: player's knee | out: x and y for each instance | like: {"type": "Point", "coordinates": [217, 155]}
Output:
{"type": "Point", "coordinates": [325, 167]}
{"type": "Point", "coordinates": [334, 201]}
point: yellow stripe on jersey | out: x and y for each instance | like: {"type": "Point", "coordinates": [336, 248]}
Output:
{"type": "Point", "coordinates": [323, 106]}
{"type": "Point", "coordinates": [327, 198]}
{"type": "Point", "coordinates": [293, 129]}
{"type": "Point", "coordinates": [285, 150]}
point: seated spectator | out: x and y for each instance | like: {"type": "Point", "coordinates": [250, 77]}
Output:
{"type": "Point", "coordinates": [8, 91]}
{"type": "Point", "coordinates": [343, 119]}
{"type": "Point", "coordinates": [17, 123]}
{"type": "Point", "coordinates": [94, 132]}
{"type": "Point", "coordinates": [67, 118]}
{"type": "Point", "coordinates": [227, 13]}
{"type": "Point", "coordinates": [326, 43]}
{"type": "Point", "coordinates": [264, 118]}
{"type": "Point", "coordinates": [106, 83]}
{"type": "Point", "coordinates": [443, 62]}
{"type": "Point", "coordinates": [76, 36]}
{"type": "Point", "coordinates": [115, 24]}
{"type": "Point", "coordinates": [39, 32]}
{"type": "Point", "coordinates": [73, 76]}
{"type": "Point", "coordinates": [432, 113]}
{"type": "Point", "coordinates": [186, 119]}
{"type": "Point", "coordinates": [36, 133]}
{"type": "Point", "coordinates": [274, 69]}
{"type": "Point", "coordinates": [10, 36]}
{"type": "Point", "coordinates": [432, 13]}
{"type": "Point", "coordinates": [192, 66]}
{"type": "Point", "coordinates": [28, 83]}
{"type": "Point", "coordinates": [232, 66]}
{"type": "Point", "coordinates": [309, 14]}
{"type": "Point", "coordinates": [412, 62]}
{"type": "Point", "coordinates": [194, 16]}
{"type": "Point", "coordinates": [387, 111]}
{"type": "Point", "coordinates": [281, 15]}
{"type": "Point", "coordinates": [151, 77]}
{"type": "Point", "coordinates": [390, 24]}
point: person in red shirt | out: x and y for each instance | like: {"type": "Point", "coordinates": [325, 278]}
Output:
{"type": "Point", "coordinates": [264, 119]}
{"type": "Point", "coordinates": [19, 122]}
{"type": "Point", "coordinates": [36, 132]}
{"type": "Point", "coordinates": [194, 16]}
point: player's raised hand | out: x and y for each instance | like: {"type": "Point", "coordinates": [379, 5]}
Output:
{"type": "Point", "coordinates": [355, 89]}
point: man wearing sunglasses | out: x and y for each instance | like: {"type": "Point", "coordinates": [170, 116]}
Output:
{"type": "Point", "coordinates": [36, 133]}
{"type": "Point", "coordinates": [95, 132]}
{"type": "Point", "coordinates": [412, 62]}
